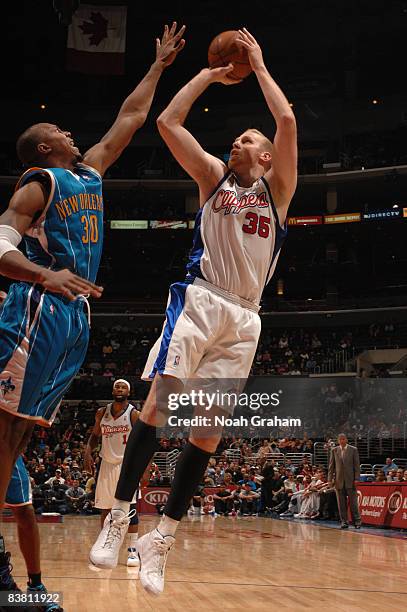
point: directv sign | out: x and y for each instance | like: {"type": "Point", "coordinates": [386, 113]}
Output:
{"type": "Point", "coordinates": [378, 215]}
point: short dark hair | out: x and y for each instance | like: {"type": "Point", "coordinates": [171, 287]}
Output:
{"type": "Point", "coordinates": [27, 144]}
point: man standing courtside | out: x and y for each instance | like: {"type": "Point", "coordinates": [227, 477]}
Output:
{"type": "Point", "coordinates": [343, 473]}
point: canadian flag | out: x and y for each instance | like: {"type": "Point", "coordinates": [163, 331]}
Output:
{"type": "Point", "coordinates": [97, 40]}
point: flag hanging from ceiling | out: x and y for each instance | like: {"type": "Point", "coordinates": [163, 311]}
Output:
{"type": "Point", "coordinates": [97, 40]}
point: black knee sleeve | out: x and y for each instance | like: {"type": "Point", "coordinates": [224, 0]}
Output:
{"type": "Point", "coordinates": [189, 471]}
{"type": "Point", "coordinates": [140, 447]}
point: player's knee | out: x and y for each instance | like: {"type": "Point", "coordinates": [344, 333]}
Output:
{"type": "Point", "coordinates": [24, 514]}
{"type": "Point", "coordinates": [11, 432]}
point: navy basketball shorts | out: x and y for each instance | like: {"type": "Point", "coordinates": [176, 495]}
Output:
{"type": "Point", "coordinates": [43, 342]}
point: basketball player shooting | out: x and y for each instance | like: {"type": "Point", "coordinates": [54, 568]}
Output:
{"type": "Point", "coordinates": [212, 324]}
{"type": "Point", "coordinates": [58, 209]}
{"type": "Point", "coordinates": [113, 424]}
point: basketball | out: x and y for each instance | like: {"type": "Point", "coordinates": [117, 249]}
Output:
{"type": "Point", "coordinates": [224, 50]}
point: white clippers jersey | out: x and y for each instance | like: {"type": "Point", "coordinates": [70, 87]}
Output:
{"type": "Point", "coordinates": [237, 239]}
{"type": "Point", "coordinates": [115, 433]}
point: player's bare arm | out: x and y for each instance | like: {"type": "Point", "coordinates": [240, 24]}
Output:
{"type": "Point", "coordinates": [135, 108]}
{"type": "Point", "coordinates": [283, 174]}
{"type": "Point", "coordinates": [93, 441]}
{"type": "Point", "coordinates": [204, 168]}
{"type": "Point", "coordinates": [24, 206]}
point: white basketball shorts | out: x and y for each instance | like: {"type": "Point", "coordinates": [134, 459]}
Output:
{"type": "Point", "coordinates": [207, 333]}
{"type": "Point", "coordinates": [106, 485]}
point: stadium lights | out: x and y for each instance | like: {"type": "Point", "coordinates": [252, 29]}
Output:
{"type": "Point", "coordinates": [43, 107]}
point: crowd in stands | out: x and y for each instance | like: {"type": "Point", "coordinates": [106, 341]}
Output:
{"type": "Point", "coordinates": [124, 347]}
{"type": "Point", "coordinates": [246, 476]}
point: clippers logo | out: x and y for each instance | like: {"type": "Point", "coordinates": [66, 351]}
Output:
{"type": "Point", "coordinates": [156, 497]}
{"type": "Point", "coordinates": [395, 501]}
{"type": "Point", "coordinates": [228, 201]}
{"type": "Point", "coordinates": [52, 309]}
{"type": "Point", "coordinates": [6, 386]}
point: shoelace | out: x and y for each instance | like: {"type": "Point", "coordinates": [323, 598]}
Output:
{"type": "Point", "coordinates": [6, 579]}
{"type": "Point", "coordinates": [163, 549]}
{"type": "Point", "coordinates": [115, 529]}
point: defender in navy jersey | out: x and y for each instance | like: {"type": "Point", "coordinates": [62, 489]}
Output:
{"type": "Point", "coordinates": [212, 324]}
{"type": "Point", "coordinates": [58, 210]}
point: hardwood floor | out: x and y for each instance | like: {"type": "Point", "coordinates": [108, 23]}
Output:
{"type": "Point", "coordinates": [228, 563]}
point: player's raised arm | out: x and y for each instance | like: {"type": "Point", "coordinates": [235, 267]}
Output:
{"type": "Point", "coordinates": [283, 173]}
{"type": "Point", "coordinates": [135, 108]}
{"type": "Point", "coordinates": [204, 168]}
{"type": "Point", "coordinates": [24, 206]}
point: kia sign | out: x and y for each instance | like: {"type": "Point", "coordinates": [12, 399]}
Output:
{"type": "Point", "coordinates": [155, 496]}
{"type": "Point", "coordinates": [151, 496]}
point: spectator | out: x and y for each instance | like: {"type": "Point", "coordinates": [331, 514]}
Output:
{"type": "Point", "coordinates": [76, 497]}
{"type": "Point", "coordinates": [311, 497]}
{"type": "Point", "coordinates": [57, 478]}
{"type": "Point", "coordinates": [223, 499]}
{"type": "Point", "coordinates": [274, 450]}
{"type": "Point", "coordinates": [248, 499]}
{"type": "Point", "coordinates": [390, 465]}
{"type": "Point", "coordinates": [265, 449]}
{"type": "Point", "coordinates": [399, 475]}
{"type": "Point", "coordinates": [197, 501]}
{"type": "Point", "coordinates": [380, 476]}
{"type": "Point", "coordinates": [55, 498]}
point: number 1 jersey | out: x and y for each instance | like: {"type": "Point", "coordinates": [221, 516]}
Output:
{"type": "Point", "coordinates": [115, 432]}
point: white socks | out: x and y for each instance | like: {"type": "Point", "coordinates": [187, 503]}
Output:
{"type": "Point", "coordinates": [133, 540]}
{"type": "Point", "coordinates": [167, 526]}
{"type": "Point", "coordinates": [121, 506]}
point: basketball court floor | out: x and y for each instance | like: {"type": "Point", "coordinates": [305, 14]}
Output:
{"type": "Point", "coordinates": [230, 563]}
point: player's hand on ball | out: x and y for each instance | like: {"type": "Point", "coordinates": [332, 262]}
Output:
{"type": "Point", "coordinates": [170, 45]}
{"type": "Point", "coordinates": [220, 75]}
{"type": "Point", "coordinates": [68, 284]}
{"type": "Point", "coordinates": [248, 41]}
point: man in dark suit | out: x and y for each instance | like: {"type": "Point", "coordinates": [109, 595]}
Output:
{"type": "Point", "coordinates": [343, 473]}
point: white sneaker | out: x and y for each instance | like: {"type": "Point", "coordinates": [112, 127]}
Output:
{"type": "Point", "coordinates": [105, 551]}
{"type": "Point", "coordinates": [132, 559]}
{"type": "Point", "coordinates": [153, 549]}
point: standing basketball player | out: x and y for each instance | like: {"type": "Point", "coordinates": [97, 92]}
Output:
{"type": "Point", "coordinates": [212, 324]}
{"type": "Point", "coordinates": [113, 424]}
{"type": "Point", "coordinates": [58, 208]}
